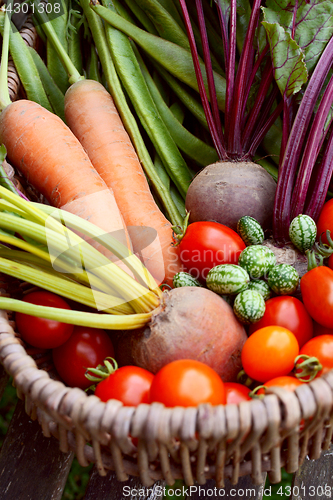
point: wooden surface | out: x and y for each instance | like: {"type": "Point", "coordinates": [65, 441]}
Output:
{"type": "Point", "coordinates": [108, 488]}
{"type": "Point", "coordinates": [31, 466]}
{"type": "Point", "coordinates": [314, 480]}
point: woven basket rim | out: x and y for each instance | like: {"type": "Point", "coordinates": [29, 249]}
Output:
{"type": "Point", "coordinates": [84, 418]}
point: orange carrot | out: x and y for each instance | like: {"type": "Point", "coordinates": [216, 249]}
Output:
{"type": "Point", "coordinates": [48, 154]}
{"type": "Point", "coordinates": [92, 116]}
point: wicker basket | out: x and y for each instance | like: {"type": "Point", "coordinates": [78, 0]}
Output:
{"type": "Point", "coordinates": [191, 443]}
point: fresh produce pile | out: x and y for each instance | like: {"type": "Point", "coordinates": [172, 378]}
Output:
{"type": "Point", "coordinates": [139, 125]}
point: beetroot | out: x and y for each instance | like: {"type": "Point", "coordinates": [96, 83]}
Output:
{"type": "Point", "coordinates": [226, 191]}
{"type": "Point", "coordinates": [191, 323]}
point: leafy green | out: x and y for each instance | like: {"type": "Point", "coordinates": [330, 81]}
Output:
{"type": "Point", "coordinates": [297, 39]}
{"type": "Point", "coordinates": [290, 70]}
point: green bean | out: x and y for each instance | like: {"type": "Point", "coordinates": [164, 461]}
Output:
{"type": "Point", "coordinates": [175, 59]}
{"type": "Point", "coordinates": [187, 142]}
{"type": "Point", "coordinates": [39, 30]}
{"type": "Point", "coordinates": [92, 69]}
{"type": "Point", "coordinates": [162, 88]}
{"type": "Point", "coordinates": [74, 39]}
{"type": "Point", "coordinates": [185, 97]}
{"type": "Point", "coordinates": [177, 112]}
{"type": "Point", "coordinates": [130, 74]}
{"type": "Point", "coordinates": [172, 9]}
{"type": "Point", "coordinates": [139, 13]}
{"type": "Point", "coordinates": [162, 173]}
{"type": "Point", "coordinates": [177, 198]}
{"type": "Point", "coordinates": [54, 64]}
{"type": "Point", "coordinates": [54, 94]}
{"type": "Point", "coordinates": [25, 67]}
{"type": "Point", "coordinates": [165, 24]}
{"type": "Point", "coordinates": [97, 30]}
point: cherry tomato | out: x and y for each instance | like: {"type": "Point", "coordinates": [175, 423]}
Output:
{"type": "Point", "coordinates": [317, 294]}
{"type": "Point", "coordinates": [321, 330]}
{"type": "Point", "coordinates": [128, 384]}
{"type": "Point", "coordinates": [236, 393]}
{"type": "Point", "coordinates": [290, 313]}
{"type": "Point", "coordinates": [187, 382]}
{"type": "Point", "coordinates": [269, 353]}
{"type": "Point", "coordinates": [286, 382]}
{"type": "Point", "coordinates": [41, 332]}
{"type": "Point", "coordinates": [207, 244]}
{"type": "Point", "coordinates": [321, 348]}
{"type": "Point", "coordinates": [86, 348]}
{"type": "Point", "coordinates": [325, 221]}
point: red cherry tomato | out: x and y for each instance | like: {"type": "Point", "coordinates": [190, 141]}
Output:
{"type": "Point", "coordinates": [286, 382]}
{"type": "Point", "coordinates": [325, 221]}
{"type": "Point", "coordinates": [269, 352]}
{"type": "Point", "coordinates": [128, 384]}
{"type": "Point", "coordinates": [236, 393]}
{"type": "Point", "coordinates": [317, 294]}
{"type": "Point", "coordinates": [321, 348]}
{"type": "Point", "coordinates": [290, 313]}
{"type": "Point", "coordinates": [41, 332]}
{"type": "Point", "coordinates": [187, 382]}
{"type": "Point", "coordinates": [86, 348]}
{"type": "Point", "coordinates": [207, 244]}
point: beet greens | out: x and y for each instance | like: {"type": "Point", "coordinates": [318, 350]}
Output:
{"type": "Point", "coordinates": [244, 126]}
{"type": "Point", "coordinates": [278, 66]}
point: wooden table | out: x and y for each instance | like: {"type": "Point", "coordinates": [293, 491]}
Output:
{"type": "Point", "coordinates": [33, 468]}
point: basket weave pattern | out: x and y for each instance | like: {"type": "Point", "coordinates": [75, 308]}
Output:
{"type": "Point", "coordinates": [191, 443]}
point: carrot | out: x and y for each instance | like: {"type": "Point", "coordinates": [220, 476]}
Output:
{"type": "Point", "coordinates": [51, 158]}
{"type": "Point", "coordinates": [92, 116]}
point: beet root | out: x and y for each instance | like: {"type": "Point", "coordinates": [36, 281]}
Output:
{"type": "Point", "coordinates": [191, 323]}
{"type": "Point", "coordinates": [226, 191]}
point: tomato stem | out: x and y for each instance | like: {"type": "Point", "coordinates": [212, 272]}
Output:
{"type": "Point", "coordinates": [101, 372]}
{"type": "Point", "coordinates": [254, 393]}
{"type": "Point", "coordinates": [244, 379]}
{"type": "Point", "coordinates": [310, 367]}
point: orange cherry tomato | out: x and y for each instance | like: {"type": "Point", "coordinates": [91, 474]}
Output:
{"type": "Point", "coordinates": [286, 382]}
{"type": "Point", "coordinates": [236, 393]}
{"type": "Point", "coordinates": [269, 352]}
{"type": "Point", "coordinates": [290, 313]}
{"type": "Point", "coordinates": [186, 382]}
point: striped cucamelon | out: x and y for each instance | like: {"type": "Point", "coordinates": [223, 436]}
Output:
{"type": "Point", "coordinates": [184, 279]}
{"type": "Point", "coordinates": [249, 306]}
{"type": "Point", "coordinates": [261, 287]}
{"type": "Point", "coordinates": [283, 279]}
{"type": "Point", "coordinates": [303, 232]}
{"type": "Point", "coordinates": [250, 231]}
{"type": "Point", "coordinates": [227, 279]}
{"type": "Point", "coordinates": [257, 260]}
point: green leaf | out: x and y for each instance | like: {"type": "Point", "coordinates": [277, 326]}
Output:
{"type": "Point", "coordinates": [313, 24]}
{"type": "Point", "coordinates": [290, 70]}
